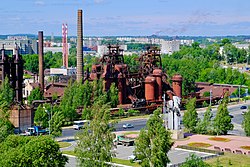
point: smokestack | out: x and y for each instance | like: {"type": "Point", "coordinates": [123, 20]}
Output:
{"type": "Point", "coordinates": [41, 62]}
{"type": "Point", "coordinates": [79, 57]}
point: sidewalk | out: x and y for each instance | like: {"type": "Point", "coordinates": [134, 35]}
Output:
{"type": "Point", "coordinates": [232, 146]}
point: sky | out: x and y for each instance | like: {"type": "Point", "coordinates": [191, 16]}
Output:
{"type": "Point", "coordinates": [127, 17]}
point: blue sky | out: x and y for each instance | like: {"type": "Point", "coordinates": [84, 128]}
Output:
{"type": "Point", "coordinates": [127, 17]}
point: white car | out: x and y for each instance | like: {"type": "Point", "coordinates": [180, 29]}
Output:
{"type": "Point", "coordinates": [131, 157]}
{"type": "Point", "coordinates": [125, 126]}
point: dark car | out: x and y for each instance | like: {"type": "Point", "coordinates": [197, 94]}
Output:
{"type": "Point", "coordinates": [243, 107]}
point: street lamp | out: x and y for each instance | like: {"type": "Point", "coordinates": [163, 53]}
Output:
{"type": "Point", "coordinates": [49, 118]}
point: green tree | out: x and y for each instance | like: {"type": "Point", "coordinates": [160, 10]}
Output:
{"type": "Point", "coordinates": [6, 94]}
{"type": "Point", "coordinates": [194, 161]}
{"type": "Point", "coordinates": [41, 117]}
{"type": "Point", "coordinates": [6, 127]}
{"type": "Point", "coordinates": [31, 62]}
{"type": "Point", "coordinates": [246, 123]}
{"type": "Point", "coordinates": [95, 140]}
{"type": "Point", "coordinates": [222, 121]}
{"type": "Point", "coordinates": [35, 94]}
{"type": "Point", "coordinates": [113, 95]}
{"type": "Point", "coordinates": [190, 117]}
{"type": "Point", "coordinates": [204, 126]}
{"type": "Point", "coordinates": [31, 152]}
{"type": "Point", "coordinates": [56, 122]}
{"type": "Point", "coordinates": [153, 144]}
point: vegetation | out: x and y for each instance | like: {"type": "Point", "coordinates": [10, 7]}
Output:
{"type": "Point", "coordinates": [229, 159]}
{"type": "Point", "coordinates": [204, 126]}
{"type": "Point", "coordinates": [221, 139]}
{"type": "Point", "coordinates": [31, 151]}
{"type": "Point", "coordinates": [190, 118]}
{"type": "Point", "coordinates": [153, 144]}
{"type": "Point", "coordinates": [194, 161]}
{"type": "Point", "coordinates": [6, 99]}
{"type": "Point", "coordinates": [246, 123]}
{"type": "Point", "coordinates": [222, 122]}
{"type": "Point", "coordinates": [64, 144]}
{"type": "Point", "coordinates": [35, 94]}
{"type": "Point", "coordinates": [95, 140]}
{"type": "Point", "coordinates": [199, 144]}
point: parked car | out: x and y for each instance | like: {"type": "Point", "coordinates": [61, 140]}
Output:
{"type": "Point", "coordinates": [231, 116]}
{"type": "Point", "coordinates": [243, 107]}
{"type": "Point", "coordinates": [132, 157]}
{"type": "Point", "coordinates": [125, 126]}
{"type": "Point", "coordinates": [244, 112]}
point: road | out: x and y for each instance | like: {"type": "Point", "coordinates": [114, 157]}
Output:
{"type": "Point", "coordinates": [234, 110]}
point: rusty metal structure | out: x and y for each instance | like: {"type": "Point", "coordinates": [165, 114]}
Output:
{"type": "Point", "coordinates": [12, 67]}
{"type": "Point", "coordinates": [143, 88]}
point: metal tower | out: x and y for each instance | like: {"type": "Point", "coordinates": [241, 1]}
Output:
{"type": "Point", "coordinates": [65, 44]}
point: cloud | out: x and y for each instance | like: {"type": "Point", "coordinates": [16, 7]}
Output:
{"type": "Point", "coordinates": [39, 3]}
{"type": "Point", "coordinates": [98, 1]}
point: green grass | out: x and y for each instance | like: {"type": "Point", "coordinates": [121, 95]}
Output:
{"type": "Point", "coordinates": [245, 147]}
{"type": "Point", "coordinates": [69, 152]}
{"type": "Point", "coordinates": [229, 159]}
{"type": "Point", "coordinates": [114, 160]}
{"type": "Point", "coordinates": [220, 139]}
{"type": "Point", "coordinates": [131, 132]}
{"type": "Point", "coordinates": [199, 144]}
{"type": "Point", "coordinates": [133, 117]}
{"type": "Point", "coordinates": [64, 144]}
{"type": "Point", "coordinates": [124, 162]}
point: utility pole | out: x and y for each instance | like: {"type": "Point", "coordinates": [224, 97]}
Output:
{"type": "Point", "coordinates": [164, 111]}
{"type": "Point", "coordinates": [210, 98]}
{"type": "Point", "coordinates": [239, 93]}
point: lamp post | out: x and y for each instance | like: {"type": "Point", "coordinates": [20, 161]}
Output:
{"type": "Point", "coordinates": [49, 118]}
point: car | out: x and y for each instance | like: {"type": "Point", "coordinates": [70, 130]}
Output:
{"type": "Point", "coordinates": [125, 126]}
{"type": "Point", "coordinates": [231, 116]}
{"type": "Point", "coordinates": [132, 157]}
{"type": "Point", "coordinates": [243, 107]}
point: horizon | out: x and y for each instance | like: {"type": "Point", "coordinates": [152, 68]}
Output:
{"type": "Point", "coordinates": [128, 18]}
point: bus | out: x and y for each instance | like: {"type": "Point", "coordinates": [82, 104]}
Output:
{"type": "Point", "coordinates": [80, 124]}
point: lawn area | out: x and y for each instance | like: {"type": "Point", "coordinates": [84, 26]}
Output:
{"type": "Point", "coordinates": [199, 144]}
{"type": "Point", "coordinates": [124, 162]}
{"type": "Point", "coordinates": [221, 139]}
{"type": "Point", "coordinates": [232, 160]}
{"type": "Point", "coordinates": [64, 144]}
{"type": "Point", "coordinates": [131, 132]}
{"type": "Point", "coordinates": [114, 160]}
{"type": "Point", "coordinates": [69, 153]}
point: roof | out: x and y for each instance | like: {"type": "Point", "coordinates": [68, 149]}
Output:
{"type": "Point", "coordinates": [35, 85]}
{"type": "Point", "coordinates": [54, 88]}
{"type": "Point", "coordinates": [217, 89]}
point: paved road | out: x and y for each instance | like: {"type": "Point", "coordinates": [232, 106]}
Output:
{"type": "Point", "coordinates": [234, 110]}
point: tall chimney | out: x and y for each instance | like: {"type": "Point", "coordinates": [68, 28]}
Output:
{"type": "Point", "coordinates": [41, 62]}
{"type": "Point", "coordinates": [79, 58]}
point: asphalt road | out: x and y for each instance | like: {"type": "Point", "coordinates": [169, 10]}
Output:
{"type": "Point", "coordinates": [234, 110]}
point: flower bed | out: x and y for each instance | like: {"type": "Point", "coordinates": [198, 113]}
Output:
{"type": "Point", "coordinates": [245, 147]}
{"type": "Point", "coordinates": [199, 144]}
{"type": "Point", "coordinates": [221, 139]}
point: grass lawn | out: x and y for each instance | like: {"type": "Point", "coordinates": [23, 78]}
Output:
{"type": "Point", "coordinates": [114, 160]}
{"type": "Point", "coordinates": [64, 144]}
{"type": "Point", "coordinates": [245, 147]}
{"type": "Point", "coordinates": [69, 152]}
{"type": "Point", "coordinates": [232, 160]}
{"type": "Point", "coordinates": [221, 139]}
{"type": "Point", "coordinates": [131, 132]}
{"type": "Point", "coordinates": [199, 144]}
{"type": "Point", "coordinates": [124, 162]}
{"type": "Point", "coordinates": [133, 117]}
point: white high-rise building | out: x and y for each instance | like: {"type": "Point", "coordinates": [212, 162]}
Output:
{"type": "Point", "coordinates": [168, 47]}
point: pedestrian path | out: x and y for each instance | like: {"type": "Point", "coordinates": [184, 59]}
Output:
{"type": "Point", "coordinates": [233, 146]}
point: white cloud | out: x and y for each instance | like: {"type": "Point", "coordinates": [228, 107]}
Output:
{"type": "Point", "coordinates": [40, 3]}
